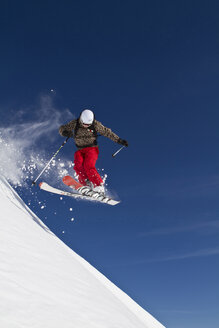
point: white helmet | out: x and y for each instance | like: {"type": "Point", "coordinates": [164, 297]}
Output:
{"type": "Point", "coordinates": [87, 116]}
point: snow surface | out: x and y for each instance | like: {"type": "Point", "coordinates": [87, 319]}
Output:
{"type": "Point", "coordinates": [43, 283]}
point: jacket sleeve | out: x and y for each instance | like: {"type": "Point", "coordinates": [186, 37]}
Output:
{"type": "Point", "coordinates": [67, 127]}
{"type": "Point", "coordinates": [106, 132]}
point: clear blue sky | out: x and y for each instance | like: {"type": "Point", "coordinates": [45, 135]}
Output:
{"type": "Point", "coordinates": [150, 71]}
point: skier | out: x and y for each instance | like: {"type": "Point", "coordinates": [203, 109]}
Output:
{"type": "Point", "coordinates": [86, 128]}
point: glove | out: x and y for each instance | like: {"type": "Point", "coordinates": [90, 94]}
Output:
{"type": "Point", "coordinates": [123, 142]}
{"type": "Point", "coordinates": [67, 133]}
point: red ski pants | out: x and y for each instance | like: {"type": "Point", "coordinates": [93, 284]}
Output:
{"type": "Point", "coordinates": [84, 165]}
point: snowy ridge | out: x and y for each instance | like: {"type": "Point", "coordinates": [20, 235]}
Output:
{"type": "Point", "coordinates": [44, 283]}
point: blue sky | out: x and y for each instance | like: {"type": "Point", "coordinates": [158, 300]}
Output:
{"type": "Point", "coordinates": [149, 71]}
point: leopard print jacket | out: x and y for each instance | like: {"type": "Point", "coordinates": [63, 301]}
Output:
{"type": "Point", "coordinates": [86, 137]}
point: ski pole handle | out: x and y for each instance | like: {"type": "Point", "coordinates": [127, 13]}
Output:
{"type": "Point", "coordinates": [34, 182]}
{"type": "Point", "coordinates": [113, 155]}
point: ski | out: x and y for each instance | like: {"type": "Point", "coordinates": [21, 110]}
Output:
{"type": "Point", "coordinates": [99, 198]}
{"type": "Point", "coordinates": [86, 190]}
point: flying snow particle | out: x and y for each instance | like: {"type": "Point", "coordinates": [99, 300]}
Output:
{"type": "Point", "coordinates": [72, 219]}
{"type": "Point", "coordinates": [71, 209]}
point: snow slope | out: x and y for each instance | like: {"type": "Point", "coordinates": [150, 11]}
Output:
{"type": "Point", "coordinates": [43, 283]}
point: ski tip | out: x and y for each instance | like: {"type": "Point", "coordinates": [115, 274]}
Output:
{"type": "Point", "coordinates": [66, 178]}
{"type": "Point", "coordinates": [71, 182]}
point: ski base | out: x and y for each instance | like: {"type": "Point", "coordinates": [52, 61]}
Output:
{"type": "Point", "coordinates": [96, 197]}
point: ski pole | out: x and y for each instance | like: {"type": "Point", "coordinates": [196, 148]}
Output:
{"type": "Point", "coordinates": [34, 182]}
{"type": "Point", "coordinates": [113, 155]}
